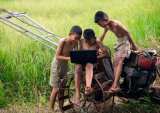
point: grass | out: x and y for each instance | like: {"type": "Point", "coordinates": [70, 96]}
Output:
{"type": "Point", "coordinates": [136, 106]}
{"type": "Point", "coordinates": [25, 64]}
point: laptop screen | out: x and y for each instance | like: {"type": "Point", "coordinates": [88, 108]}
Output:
{"type": "Point", "coordinates": [83, 56]}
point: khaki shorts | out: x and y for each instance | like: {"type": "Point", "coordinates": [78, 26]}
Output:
{"type": "Point", "coordinates": [58, 71]}
{"type": "Point", "coordinates": [122, 48]}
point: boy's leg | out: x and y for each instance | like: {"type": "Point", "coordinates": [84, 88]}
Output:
{"type": "Point", "coordinates": [53, 83]}
{"type": "Point", "coordinates": [53, 97]}
{"type": "Point", "coordinates": [120, 54]}
{"type": "Point", "coordinates": [58, 71]}
{"type": "Point", "coordinates": [89, 75]}
{"type": "Point", "coordinates": [118, 64]}
{"type": "Point", "coordinates": [78, 72]}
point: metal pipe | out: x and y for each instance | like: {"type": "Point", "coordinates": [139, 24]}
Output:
{"type": "Point", "coordinates": [46, 39]}
{"type": "Point", "coordinates": [25, 31]}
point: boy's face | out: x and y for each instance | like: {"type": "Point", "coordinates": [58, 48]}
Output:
{"type": "Point", "coordinates": [75, 37]}
{"type": "Point", "coordinates": [103, 23]}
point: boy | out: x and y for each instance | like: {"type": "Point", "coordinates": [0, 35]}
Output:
{"type": "Point", "coordinates": [88, 43]}
{"type": "Point", "coordinates": [59, 66]}
{"type": "Point", "coordinates": [124, 44]}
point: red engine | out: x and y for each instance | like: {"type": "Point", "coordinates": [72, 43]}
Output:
{"type": "Point", "coordinates": [146, 63]}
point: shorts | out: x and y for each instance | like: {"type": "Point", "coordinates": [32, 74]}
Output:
{"type": "Point", "coordinates": [122, 48]}
{"type": "Point", "coordinates": [59, 71]}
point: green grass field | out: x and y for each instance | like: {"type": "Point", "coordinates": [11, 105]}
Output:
{"type": "Point", "coordinates": [25, 64]}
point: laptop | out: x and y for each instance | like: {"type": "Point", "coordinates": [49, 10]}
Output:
{"type": "Point", "coordinates": [83, 56]}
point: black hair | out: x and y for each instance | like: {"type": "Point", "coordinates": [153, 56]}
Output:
{"type": "Point", "coordinates": [100, 15]}
{"type": "Point", "coordinates": [76, 29]}
{"type": "Point", "coordinates": [88, 34]}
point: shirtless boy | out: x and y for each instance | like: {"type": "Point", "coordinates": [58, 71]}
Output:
{"type": "Point", "coordinates": [124, 43]}
{"type": "Point", "coordinates": [59, 66]}
{"type": "Point", "coordinates": [88, 43]}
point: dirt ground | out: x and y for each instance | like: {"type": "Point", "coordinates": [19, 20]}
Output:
{"type": "Point", "coordinates": [102, 108]}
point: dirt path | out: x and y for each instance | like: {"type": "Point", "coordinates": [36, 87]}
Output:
{"type": "Point", "coordinates": [119, 107]}
{"type": "Point", "coordinates": [105, 108]}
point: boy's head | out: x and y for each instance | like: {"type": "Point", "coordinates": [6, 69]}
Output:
{"type": "Point", "coordinates": [89, 36]}
{"type": "Point", "coordinates": [101, 18]}
{"type": "Point", "coordinates": [75, 33]}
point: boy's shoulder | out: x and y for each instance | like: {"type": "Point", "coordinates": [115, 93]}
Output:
{"type": "Point", "coordinates": [99, 42]}
{"type": "Point", "coordinates": [115, 22]}
{"type": "Point", "coordinates": [118, 23]}
{"type": "Point", "coordinates": [62, 40]}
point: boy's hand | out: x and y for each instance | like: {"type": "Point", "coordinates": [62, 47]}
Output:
{"type": "Point", "coordinates": [100, 51]}
{"type": "Point", "coordinates": [138, 51]}
{"type": "Point", "coordinates": [106, 28]}
{"type": "Point", "coordinates": [158, 61]}
{"type": "Point", "coordinates": [68, 58]}
{"type": "Point", "coordinates": [101, 38]}
{"type": "Point", "coordinates": [133, 47]}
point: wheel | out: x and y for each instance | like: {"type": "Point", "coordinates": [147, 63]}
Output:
{"type": "Point", "coordinates": [64, 97]}
{"type": "Point", "coordinates": [96, 102]}
{"type": "Point", "coordinates": [72, 91]}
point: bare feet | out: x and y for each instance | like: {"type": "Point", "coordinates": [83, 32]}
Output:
{"type": "Point", "coordinates": [107, 85]}
{"type": "Point", "coordinates": [52, 102]}
{"type": "Point", "coordinates": [88, 90]}
{"type": "Point", "coordinates": [76, 102]}
{"type": "Point", "coordinates": [114, 89]}
{"type": "Point", "coordinates": [77, 105]}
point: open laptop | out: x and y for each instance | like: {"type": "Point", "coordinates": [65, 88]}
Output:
{"type": "Point", "coordinates": [83, 56]}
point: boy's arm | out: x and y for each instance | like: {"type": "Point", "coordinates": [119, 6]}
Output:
{"type": "Point", "coordinates": [101, 38]}
{"type": "Point", "coordinates": [59, 51]}
{"type": "Point", "coordinates": [102, 51]}
{"type": "Point", "coordinates": [134, 47]}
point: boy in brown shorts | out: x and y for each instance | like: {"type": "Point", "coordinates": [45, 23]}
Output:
{"type": "Point", "coordinates": [88, 43]}
{"type": "Point", "coordinates": [124, 44]}
{"type": "Point", "coordinates": [59, 67]}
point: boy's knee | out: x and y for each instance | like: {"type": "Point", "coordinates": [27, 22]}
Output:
{"type": "Point", "coordinates": [118, 60]}
{"type": "Point", "coordinates": [54, 90]}
{"type": "Point", "coordinates": [89, 66]}
{"type": "Point", "coordinates": [78, 69]}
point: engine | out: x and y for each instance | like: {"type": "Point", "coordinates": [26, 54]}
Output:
{"type": "Point", "coordinates": [139, 72]}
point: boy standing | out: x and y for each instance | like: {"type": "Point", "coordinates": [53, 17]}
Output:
{"type": "Point", "coordinates": [124, 44]}
{"type": "Point", "coordinates": [59, 66]}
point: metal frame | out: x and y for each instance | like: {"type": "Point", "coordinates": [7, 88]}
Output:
{"type": "Point", "coordinates": [24, 24]}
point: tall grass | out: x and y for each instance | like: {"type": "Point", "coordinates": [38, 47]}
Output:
{"type": "Point", "coordinates": [25, 64]}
